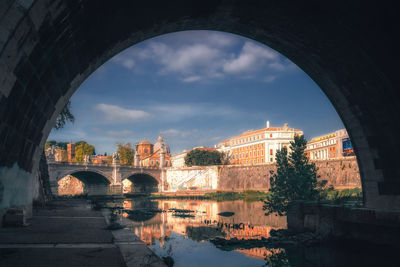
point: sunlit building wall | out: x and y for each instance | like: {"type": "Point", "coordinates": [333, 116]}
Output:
{"type": "Point", "coordinates": [330, 146]}
{"type": "Point", "coordinates": [259, 146]}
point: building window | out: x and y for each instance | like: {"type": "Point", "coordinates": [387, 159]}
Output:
{"type": "Point", "coordinates": [157, 162]}
{"type": "Point", "coordinates": [271, 159]}
{"type": "Point", "coordinates": [270, 135]}
{"type": "Point", "coordinates": [271, 152]}
{"type": "Point", "coordinates": [152, 162]}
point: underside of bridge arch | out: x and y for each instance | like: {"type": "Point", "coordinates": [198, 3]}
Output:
{"type": "Point", "coordinates": [349, 48]}
{"type": "Point", "coordinates": [93, 183]}
{"type": "Point", "coordinates": [140, 183]}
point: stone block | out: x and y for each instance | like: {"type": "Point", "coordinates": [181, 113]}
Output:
{"type": "Point", "coordinates": [15, 217]}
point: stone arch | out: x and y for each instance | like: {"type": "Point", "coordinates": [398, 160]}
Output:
{"type": "Point", "coordinates": [83, 170]}
{"type": "Point", "coordinates": [94, 182]}
{"type": "Point", "coordinates": [48, 49]}
{"type": "Point", "coordinates": [142, 182]}
{"type": "Point", "coordinates": [155, 177]}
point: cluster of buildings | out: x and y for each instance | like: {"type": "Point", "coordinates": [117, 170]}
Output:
{"type": "Point", "coordinates": [146, 154]}
{"type": "Point", "coordinates": [153, 155]}
{"type": "Point", "coordinates": [257, 147]}
{"type": "Point", "coordinates": [330, 146]}
{"type": "Point", "coordinates": [253, 147]}
{"type": "Point", "coordinates": [62, 155]}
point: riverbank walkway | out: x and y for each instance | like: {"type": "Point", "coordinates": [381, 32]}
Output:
{"type": "Point", "coordinates": [70, 233]}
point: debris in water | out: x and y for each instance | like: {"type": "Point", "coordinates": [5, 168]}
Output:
{"type": "Point", "coordinates": [226, 214]}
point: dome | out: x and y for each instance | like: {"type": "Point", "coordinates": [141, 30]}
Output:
{"type": "Point", "coordinates": [160, 143]}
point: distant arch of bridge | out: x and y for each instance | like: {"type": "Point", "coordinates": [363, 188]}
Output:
{"type": "Point", "coordinates": [114, 173]}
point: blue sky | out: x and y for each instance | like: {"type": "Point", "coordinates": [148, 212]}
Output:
{"type": "Point", "coordinates": [196, 88]}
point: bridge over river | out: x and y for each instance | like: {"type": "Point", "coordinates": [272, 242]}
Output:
{"type": "Point", "coordinates": [107, 178]}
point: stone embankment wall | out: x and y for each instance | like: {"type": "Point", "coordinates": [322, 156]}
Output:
{"type": "Point", "coordinates": [203, 177]}
{"type": "Point", "coordinates": [340, 173]}
{"type": "Point", "coordinates": [245, 177]}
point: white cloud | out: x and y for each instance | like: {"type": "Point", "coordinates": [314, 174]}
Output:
{"type": "Point", "coordinates": [125, 60]}
{"type": "Point", "coordinates": [270, 79]}
{"type": "Point", "coordinates": [179, 112]}
{"type": "Point", "coordinates": [129, 63]}
{"type": "Point", "coordinates": [190, 79]}
{"type": "Point", "coordinates": [200, 55]}
{"type": "Point", "coordinates": [116, 113]}
{"type": "Point", "coordinates": [251, 58]}
{"type": "Point", "coordinates": [185, 60]}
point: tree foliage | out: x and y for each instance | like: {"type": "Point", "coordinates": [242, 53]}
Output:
{"type": "Point", "coordinates": [51, 143]}
{"type": "Point", "coordinates": [126, 153]}
{"type": "Point", "coordinates": [83, 149]}
{"type": "Point", "coordinates": [295, 178]}
{"type": "Point", "coordinates": [225, 158]}
{"type": "Point", "coordinates": [200, 157]}
{"type": "Point", "coordinates": [64, 116]}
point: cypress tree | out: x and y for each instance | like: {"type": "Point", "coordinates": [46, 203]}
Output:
{"type": "Point", "coordinates": [295, 178]}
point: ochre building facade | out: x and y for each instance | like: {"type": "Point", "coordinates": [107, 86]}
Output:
{"type": "Point", "coordinates": [334, 145]}
{"type": "Point", "coordinates": [149, 155]}
{"type": "Point", "coordinates": [259, 146]}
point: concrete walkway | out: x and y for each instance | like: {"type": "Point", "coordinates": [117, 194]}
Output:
{"type": "Point", "coordinates": [69, 233]}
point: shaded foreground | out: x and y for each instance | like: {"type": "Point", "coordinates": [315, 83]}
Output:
{"type": "Point", "coordinates": [70, 233]}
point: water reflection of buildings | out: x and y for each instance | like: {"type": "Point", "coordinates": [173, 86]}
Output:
{"type": "Point", "coordinates": [164, 223]}
{"type": "Point", "coordinates": [260, 253]}
{"type": "Point", "coordinates": [247, 232]}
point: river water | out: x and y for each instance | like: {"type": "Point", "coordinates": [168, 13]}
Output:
{"type": "Point", "coordinates": [182, 230]}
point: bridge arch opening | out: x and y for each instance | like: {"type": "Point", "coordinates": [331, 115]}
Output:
{"type": "Point", "coordinates": [141, 183]}
{"type": "Point", "coordinates": [44, 61]}
{"type": "Point", "coordinates": [83, 182]}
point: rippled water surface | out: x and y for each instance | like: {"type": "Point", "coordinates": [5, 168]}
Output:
{"type": "Point", "coordinates": [182, 229]}
{"type": "Point", "coordinates": [185, 229]}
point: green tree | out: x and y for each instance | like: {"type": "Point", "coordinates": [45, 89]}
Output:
{"type": "Point", "coordinates": [54, 143]}
{"type": "Point", "coordinates": [200, 157]}
{"type": "Point", "coordinates": [50, 143]}
{"type": "Point", "coordinates": [64, 116]}
{"type": "Point", "coordinates": [295, 178]}
{"type": "Point", "coordinates": [81, 149]}
{"type": "Point", "coordinates": [225, 158]}
{"type": "Point", "coordinates": [126, 153]}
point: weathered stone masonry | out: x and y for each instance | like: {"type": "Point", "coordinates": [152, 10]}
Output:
{"type": "Point", "coordinates": [340, 174]}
